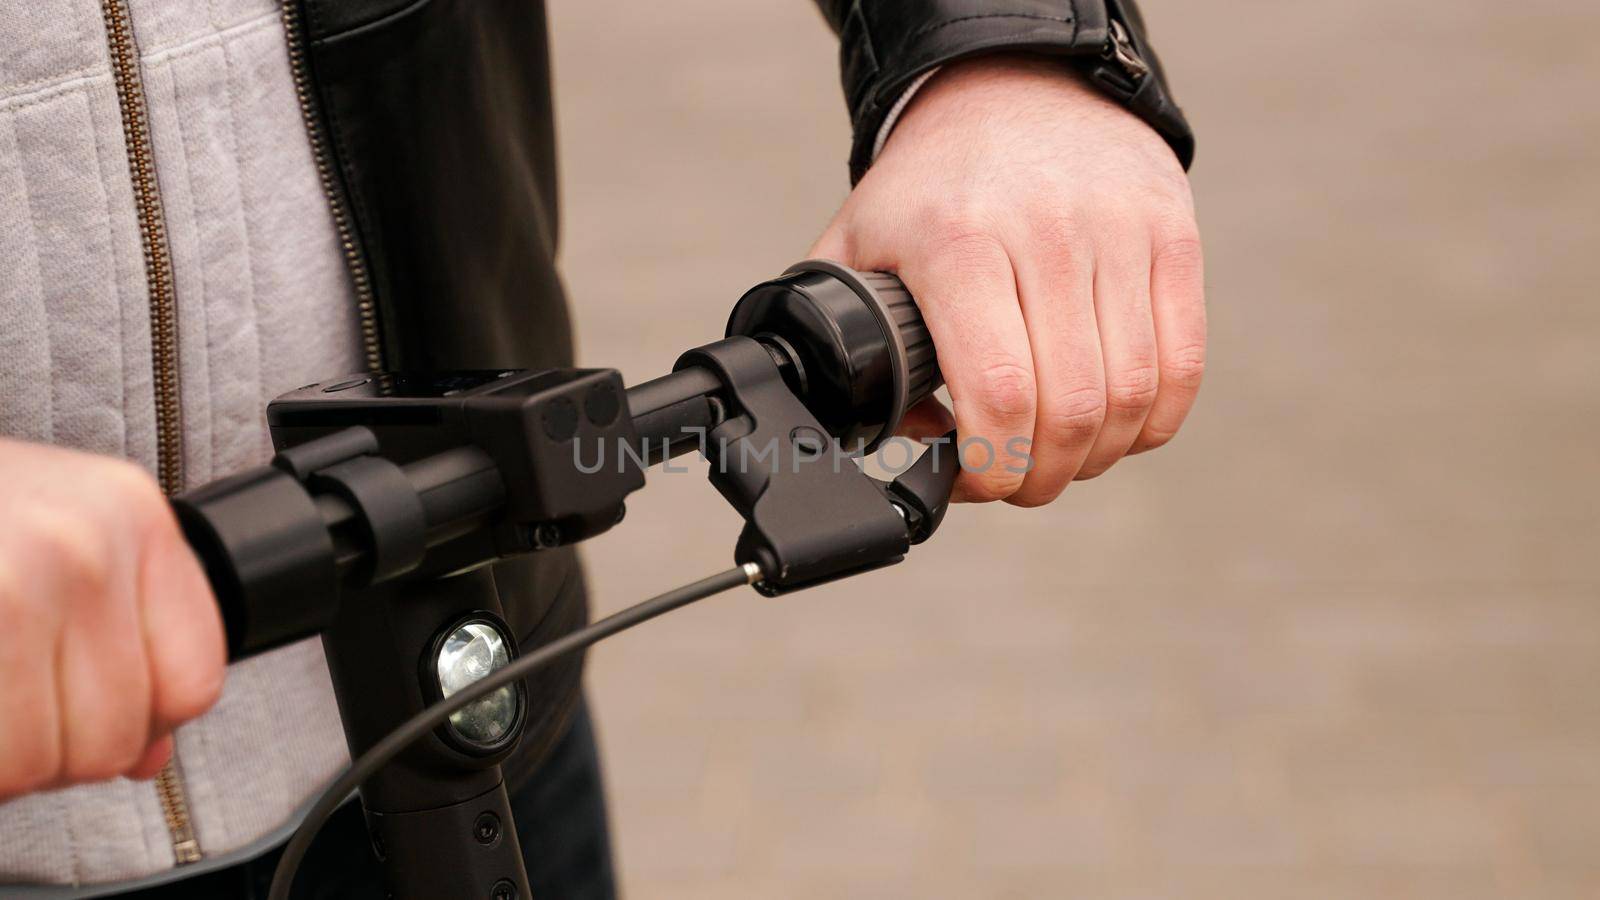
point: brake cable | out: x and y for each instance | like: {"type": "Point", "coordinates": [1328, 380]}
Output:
{"type": "Point", "coordinates": [377, 522]}
{"type": "Point", "coordinates": [419, 725]}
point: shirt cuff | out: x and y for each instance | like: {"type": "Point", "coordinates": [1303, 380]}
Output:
{"type": "Point", "coordinates": [898, 108]}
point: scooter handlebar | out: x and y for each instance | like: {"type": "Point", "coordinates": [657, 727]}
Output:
{"type": "Point", "coordinates": [334, 508]}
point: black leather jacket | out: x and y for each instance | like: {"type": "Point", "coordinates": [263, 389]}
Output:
{"type": "Point", "coordinates": [433, 125]}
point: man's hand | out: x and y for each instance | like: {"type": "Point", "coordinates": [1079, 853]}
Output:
{"type": "Point", "coordinates": [1049, 238]}
{"type": "Point", "coordinates": [109, 636]}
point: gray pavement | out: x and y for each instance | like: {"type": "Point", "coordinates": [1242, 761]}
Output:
{"type": "Point", "coordinates": [1341, 639]}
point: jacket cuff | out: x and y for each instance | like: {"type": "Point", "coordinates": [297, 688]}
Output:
{"type": "Point", "coordinates": [885, 53]}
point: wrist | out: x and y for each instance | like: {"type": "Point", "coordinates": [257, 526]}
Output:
{"type": "Point", "coordinates": [999, 95]}
{"type": "Point", "coordinates": [1009, 79]}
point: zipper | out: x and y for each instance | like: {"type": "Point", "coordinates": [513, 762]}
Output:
{"type": "Point", "coordinates": [163, 338]}
{"type": "Point", "coordinates": [153, 236]}
{"type": "Point", "coordinates": [175, 809]}
{"type": "Point", "coordinates": [366, 305]}
{"type": "Point", "coordinates": [1120, 48]}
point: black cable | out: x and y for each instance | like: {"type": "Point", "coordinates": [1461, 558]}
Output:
{"type": "Point", "coordinates": [423, 722]}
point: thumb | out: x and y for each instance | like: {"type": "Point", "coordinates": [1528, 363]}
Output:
{"type": "Point", "coordinates": [832, 245]}
{"type": "Point", "coordinates": [928, 419]}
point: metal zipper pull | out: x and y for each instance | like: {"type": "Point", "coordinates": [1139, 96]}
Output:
{"type": "Point", "coordinates": [1119, 46]}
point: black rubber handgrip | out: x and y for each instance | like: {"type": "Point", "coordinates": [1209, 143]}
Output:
{"type": "Point", "coordinates": [910, 334]}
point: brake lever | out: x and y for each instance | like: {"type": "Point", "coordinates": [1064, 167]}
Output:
{"type": "Point", "coordinates": [811, 515]}
{"type": "Point", "coordinates": [921, 494]}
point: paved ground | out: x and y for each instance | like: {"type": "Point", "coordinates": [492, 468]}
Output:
{"type": "Point", "coordinates": [1341, 640]}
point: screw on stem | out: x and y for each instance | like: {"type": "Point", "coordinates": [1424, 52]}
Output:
{"type": "Point", "coordinates": [487, 828]}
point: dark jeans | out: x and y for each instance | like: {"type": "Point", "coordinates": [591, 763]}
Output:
{"type": "Point", "coordinates": [561, 820]}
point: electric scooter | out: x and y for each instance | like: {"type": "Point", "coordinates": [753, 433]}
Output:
{"type": "Point", "coordinates": [390, 495]}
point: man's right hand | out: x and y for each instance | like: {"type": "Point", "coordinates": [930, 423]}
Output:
{"type": "Point", "coordinates": [109, 635]}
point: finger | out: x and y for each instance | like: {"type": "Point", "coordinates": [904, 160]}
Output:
{"type": "Point", "coordinates": [1178, 300]}
{"type": "Point", "coordinates": [967, 291]}
{"type": "Point", "coordinates": [30, 724]}
{"type": "Point", "coordinates": [1128, 345]}
{"type": "Point", "coordinates": [153, 760]}
{"type": "Point", "coordinates": [99, 671]}
{"type": "Point", "coordinates": [182, 631]}
{"type": "Point", "coordinates": [104, 677]}
{"type": "Point", "coordinates": [1057, 288]}
{"type": "Point", "coordinates": [928, 419]}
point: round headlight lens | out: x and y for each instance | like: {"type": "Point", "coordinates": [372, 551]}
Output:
{"type": "Point", "coordinates": [469, 654]}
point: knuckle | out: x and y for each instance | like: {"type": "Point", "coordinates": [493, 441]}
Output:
{"type": "Point", "coordinates": [128, 480]}
{"type": "Point", "coordinates": [112, 756]}
{"type": "Point", "coordinates": [187, 694]}
{"type": "Point", "coordinates": [128, 751]}
{"type": "Point", "coordinates": [987, 472]}
{"type": "Point", "coordinates": [1033, 494]}
{"type": "Point", "coordinates": [1089, 473]}
{"type": "Point", "coordinates": [1185, 367]}
{"type": "Point", "coordinates": [1097, 465]}
{"type": "Point", "coordinates": [1007, 392]}
{"type": "Point", "coordinates": [74, 550]}
{"type": "Point", "coordinates": [969, 241]}
{"type": "Point", "coordinates": [162, 542]}
{"type": "Point", "coordinates": [1072, 419]}
{"type": "Point", "coordinates": [1031, 500]}
{"type": "Point", "coordinates": [1153, 438]}
{"type": "Point", "coordinates": [1056, 231]}
{"type": "Point", "coordinates": [1132, 390]}
{"type": "Point", "coordinates": [135, 493]}
{"type": "Point", "coordinates": [990, 486]}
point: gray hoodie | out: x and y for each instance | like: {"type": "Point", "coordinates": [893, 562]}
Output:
{"type": "Point", "coordinates": [263, 305]}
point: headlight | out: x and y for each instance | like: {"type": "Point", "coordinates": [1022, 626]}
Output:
{"type": "Point", "coordinates": [469, 652]}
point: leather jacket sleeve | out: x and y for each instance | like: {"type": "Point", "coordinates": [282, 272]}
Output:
{"type": "Point", "coordinates": [886, 44]}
